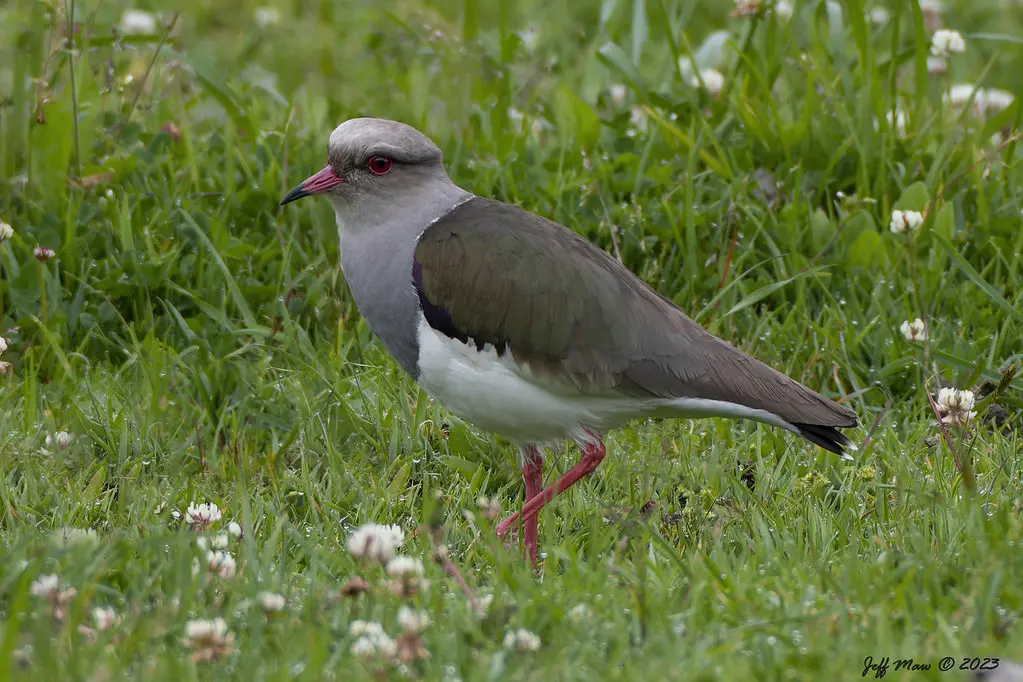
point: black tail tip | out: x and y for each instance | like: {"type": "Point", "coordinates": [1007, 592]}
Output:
{"type": "Point", "coordinates": [828, 437]}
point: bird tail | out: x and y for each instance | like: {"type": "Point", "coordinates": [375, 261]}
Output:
{"type": "Point", "coordinates": [828, 437]}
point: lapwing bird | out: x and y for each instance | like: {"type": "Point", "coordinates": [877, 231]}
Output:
{"type": "Point", "coordinates": [522, 327]}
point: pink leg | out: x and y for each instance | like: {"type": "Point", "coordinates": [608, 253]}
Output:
{"type": "Point", "coordinates": [532, 474]}
{"type": "Point", "coordinates": [593, 453]}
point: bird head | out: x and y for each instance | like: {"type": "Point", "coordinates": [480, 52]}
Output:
{"type": "Point", "coordinates": [372, 159]}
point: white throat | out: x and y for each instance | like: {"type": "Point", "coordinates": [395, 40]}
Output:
{"type": "Point", "coordinates": [410, 212]}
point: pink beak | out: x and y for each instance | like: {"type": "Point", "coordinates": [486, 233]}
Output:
{"type": "Point", "coordinates": [314, 184]}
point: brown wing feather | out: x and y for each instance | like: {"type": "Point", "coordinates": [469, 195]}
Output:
{"type": "Point", "coordinates": [507, 277]}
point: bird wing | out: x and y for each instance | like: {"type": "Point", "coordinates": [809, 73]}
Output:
{"type": "Point", "coordinates": [492, 273]}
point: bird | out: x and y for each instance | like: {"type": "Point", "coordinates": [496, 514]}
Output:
{"type": "Point", "coordinates": [521, 326]}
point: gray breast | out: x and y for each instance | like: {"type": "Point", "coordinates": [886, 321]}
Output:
{"type": "Point", "coordinates": [377, 259]}
{"type": "Point", "coordinates": [378, 269]}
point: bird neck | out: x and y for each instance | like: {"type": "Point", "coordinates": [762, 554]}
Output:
{"type": "Point", "coordinates": [377, 248]}
{"type": "Point", "coordinates": [408, 213]}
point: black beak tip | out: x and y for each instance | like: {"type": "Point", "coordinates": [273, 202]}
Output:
{"type": "Point", "coordinates": [294, 195]}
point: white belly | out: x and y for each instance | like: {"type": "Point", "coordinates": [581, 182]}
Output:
{"type": "Point", "coordinates": [499, 395]}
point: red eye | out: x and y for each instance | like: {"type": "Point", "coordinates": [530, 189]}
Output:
{"type": "Point", "coordinates": [379, 165]}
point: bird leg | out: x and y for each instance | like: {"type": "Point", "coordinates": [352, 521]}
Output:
{"type": "Point", "coordinates": [592, 455]}
{"type": "Point", "coordinates": [532, 474]}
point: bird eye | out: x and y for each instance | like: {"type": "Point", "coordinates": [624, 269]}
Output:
{"type": "Point", "coordinates": [379, 165]}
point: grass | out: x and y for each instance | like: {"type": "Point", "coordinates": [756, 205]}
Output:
{"type": "Point", "coordinates": [201, 345]}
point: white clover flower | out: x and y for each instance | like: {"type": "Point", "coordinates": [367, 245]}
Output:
{"type": "Point", "coordinates": [373, 647]}
{"type": "Point", "coordinates": [961, 93]}
{"type": "Point", "coordinates": [914, 331]}
{"type": "Point", "coordinates": [490, 507]}
{"type": "Point", "coordinates": [580, 613]}
{"type": "Point", "coordinates": [904, 221]}
{"type": "Point", "coordinates": [43, 253]}
{"type": "Point", "coordinates": [200, 516]}
{"type": "Point", "coordinates": [267, 16]}
{"type": "Point", "coordinates": [61, 439]}
{"type": "Point", "coordinates": [412, 621]}
{"type": "Point", "coordinates": [937, 66]}
{"type": "Point", "coordinates": [364, 647]}
{"type": "Point", "coordinates": [713, 81]}
{"type": "Point", "coordinates": [996, 99]}
{"type": "Point", "coordinates": [404, 567]}
{"type": "Point", "coordinates": [210, 639]}
{"type": "Point", "coordinates": [365, 627]}
{"type": "Point", "coordinates": [45, 587]}
{"type": "Point", "coordinates": [202, 630]}
{"type": "Point", "coordinates": [104, 618]}
{"type": "Point", "coordinates": [136, 21]}
{"type": "Point", "coordinates": [371, 640]}
{"type": "Point", "coordinates": [984, 101]}
{"type": "Point", "coordinates": [272, 602]}
{"type": "Point", "coordinates": [235, 530]}
{"type": "Point", "coordinates": [946, 397]}
{"type": "Point", "coordinates": [48, 587]}
{"type": "Point", "coordinates": [530, 37]}
{"type": "Point", "coordinates": [618, 92]}
{"type": "Point", "coordinates": [5, 368]}
{"type": "Point", "coordinates": [956, 405]}
{"type": "Point", "coordinates": [68, 537]}
{"type": "Point", "coordinates": [6, 231]}
{"type": "Point", "coordinates": [946, 43]}
{"type": "Point", "coordinates": [782, 9]}
{"type": "Point", "coordinates": [221, 563]}
{"type": "Point", "coordinates": [879, 15]}
{"type": "Point", "coordinates": [212, 542]}
{"type": "Point", "coordinates": [484, 601]}
{"type": "Point", "coordinates": [375, 542]}
{"type": "Point", "coordinates": [3, 344]}
{"type": "Point", "coordinates": [637, 119]}
{"type": "Point", "coordinates": [521, 640]}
